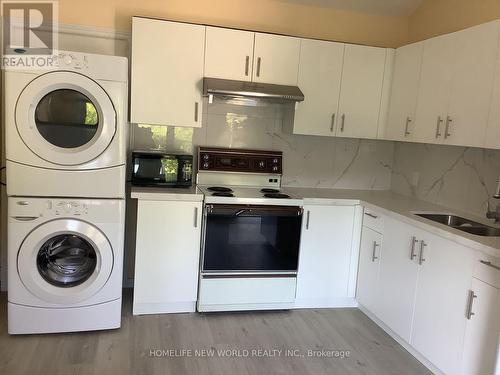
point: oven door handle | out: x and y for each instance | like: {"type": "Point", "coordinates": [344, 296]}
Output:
{"type": "Point", "coordinates": [239, 212]}
{"type": "Point", "coordinates": [252, 212]}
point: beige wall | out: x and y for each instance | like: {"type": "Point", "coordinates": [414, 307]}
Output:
{"type": "Point", "coordinates": [436, 17]}
{"type": "Point", "coordinates": [276, 16]}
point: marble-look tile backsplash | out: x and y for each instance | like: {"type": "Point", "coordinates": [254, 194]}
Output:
{"type": "Point", "coordinates": [309, 161]}
{"type": "Point", "coordinates": [458, 177]}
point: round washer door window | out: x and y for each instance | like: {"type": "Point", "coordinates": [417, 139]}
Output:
{"type": "Point", "coordinates": [65, 118]}
{"type": "Point", "coordinates": [65, 261]}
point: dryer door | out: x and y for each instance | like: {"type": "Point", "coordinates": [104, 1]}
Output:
{"type": "Point", "coordinates": [65, 261]}
{"type": "Point", "coordinates": [65, 118]}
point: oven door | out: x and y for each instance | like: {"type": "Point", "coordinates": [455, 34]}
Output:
{"type": "Point", "coordinates": [251, 239]}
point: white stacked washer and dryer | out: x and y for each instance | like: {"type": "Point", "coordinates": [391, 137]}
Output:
{"type": "Point", "coordinates": [66, 137]}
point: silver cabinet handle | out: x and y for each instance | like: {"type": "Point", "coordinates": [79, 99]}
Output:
{"type": "Point", "coordinates": [258, 66]}
{"type": "Point", "coordinates": [308, 216]}
{"type": "Point", "coordinates": [470, 302]}
{"type": "Point", "coordinates": [447, 128]}
{"type": "Point", "coordinates": [22, 203]}
{"type": "Point", "coordinates": [342, 124]}
{"type": "Point", "coordinates": [407, 132]}
{"type": "Point", "coordinates": [371, 215]}
{"type": "Point", "coordinates": [421, 258]}
{"type": "Point", "coordinates": [195, 111]}
{"type": "Point", "coordinates": [438, 127]}
{"type": "Point", "coordinates": [247, 64]}
{"type": "Point", "coordinates": [489, 264]}
{"type": "Point", "coordinates": [196, 217]}
{"type": "Point", "coordinates": [374, 251]}
{"type": "Point", "coordinates": [333, 122]}
{"type": "Point", "coordinates": [412, 248]}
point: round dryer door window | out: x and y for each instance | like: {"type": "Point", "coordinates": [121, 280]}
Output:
{"type": "Point", "coordinates": [65, 261]}
{"type": "Point", "coordinates": [65, 118]}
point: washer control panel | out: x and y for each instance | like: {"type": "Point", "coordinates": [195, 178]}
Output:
{"type": "Point", "coordinates": [68, 208]}
{"type": "Point", "coordinates": [68, 60]}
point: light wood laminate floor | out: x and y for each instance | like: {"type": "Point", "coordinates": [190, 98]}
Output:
{"type": "Point", "coordinates": [129, 349]}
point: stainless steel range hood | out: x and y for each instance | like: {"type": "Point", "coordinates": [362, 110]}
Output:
{"type": "Point", "coordinates": [241, 89]}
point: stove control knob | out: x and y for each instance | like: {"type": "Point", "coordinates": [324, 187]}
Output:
{"type": "Point", "coordinates": [275, 161]}
{"type": "Point", "coordinates": [262, 164]}
{"type": "Point", "coordinates": [206, 157]}
{"type": "Point", "coordinates": [205, 165]}
{"type": "Point", "coordinates": [275, 169]}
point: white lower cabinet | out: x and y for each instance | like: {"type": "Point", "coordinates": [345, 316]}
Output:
{"type": "Point", "coordinates": [370, 253]}
{"type": "Point", "coordinates": [418, 285]}
{"type": "Point", "coordinates": [167, 256]}
{"type": "Point", "coordinates": [398, 277]}
{"type": "Point", "coordinates": [325, 265]}
{"type": "Point", "coordinates": [439, 321]}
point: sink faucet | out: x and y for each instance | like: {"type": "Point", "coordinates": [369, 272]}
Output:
{"type": "Point", "coordinates": [496, 213]}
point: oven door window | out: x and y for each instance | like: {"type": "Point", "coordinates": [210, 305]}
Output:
{"type": "Point", "coordinates": [252, 238]}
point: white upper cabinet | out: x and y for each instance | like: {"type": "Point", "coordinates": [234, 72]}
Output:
{"type": "Point", "coordinates": [473, 76]}
{"type": "Point", "coordinates": [434, 92]}
{"type": "Point", "coordinates": [229, 54]}
{"type": "Point", "coordinates": [361, 91]}
{"type": "Point", "coordinates": [493, 129]}
{"type": "Point", "coordinates": [320, 76]}
{"type": "Point", "coordinates": [404, 92]}
{"type": "Point", "coordinates": [276, 59]}
{"type": "Point", "coordinates": [167, 72]}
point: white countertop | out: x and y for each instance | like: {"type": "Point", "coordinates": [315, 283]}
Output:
{"type": "Point", "coordinates": [401, 207]}
{"type": "Point", "coordinates": [191, 194]}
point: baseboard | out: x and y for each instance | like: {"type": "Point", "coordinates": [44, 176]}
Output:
{"type": "Point", "coordinates": [325, 303]}
{"type": "Point", "coordinates": [245, 307]}
{"type": "Point", "coordinates": [164, 308]}
{"type": "Point", "coordinates": [419, 357]}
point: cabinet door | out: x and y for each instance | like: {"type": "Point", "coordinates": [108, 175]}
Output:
{"type": "Point", "coordinates": [276, 59]}
{"type": "Point", "coordinates": [325, 254]}
{"type": "Point", "coordinates": [370, 253]}
{"type": "Point", "coordinates": [398, 277]}
{"type": "Point", "coordinates": [167, 256]}
{"type": "Point", "coordinates": [439, 320]}
{"type": "Point", "coordinates": [483, 330]}
{"type": "Point", "coordinates": [229, 54]}
{"type": "Point", "coordinates": [404, 92]}
{"type": "Point", "coordinates": [167, 72]}
{"type": "Point", "coordinates": [474, 73]}
{"type": "Point", "coordinates": [434, 92]}
{"type": "Point", "coordinates": [361, 92]}
{"type": "Point", "coordinates": [320, 75]}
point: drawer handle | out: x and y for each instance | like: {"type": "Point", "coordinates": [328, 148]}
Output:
{"type": "Point", "coordinates": [489, 264]}
{"type": "Point", "coordinates": [421, 258]}
{"type": "Point", "coordinates": [371, 215]}
{"type": "Point", "coordinates": [374, 251]}
{"type": "Point", "coordinates": [247, 64]}
{"type": "Point", "coordinates": [308, 216]}
{"type": "Point", "coordinates": [412, 251]}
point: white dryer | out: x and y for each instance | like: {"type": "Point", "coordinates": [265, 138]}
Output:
{"type": "Point", "coordinates": [64, 264]}
{"type": "Point", "coordinates": [66, 128]}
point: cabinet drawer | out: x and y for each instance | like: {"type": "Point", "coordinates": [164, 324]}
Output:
{"type": "Point", "coordinates": [487, 269]}
{"type": "Point", "coordinates": [373, 220]}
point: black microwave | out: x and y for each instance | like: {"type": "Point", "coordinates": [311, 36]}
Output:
{"type": "Point", "coordinates": [160, 169]}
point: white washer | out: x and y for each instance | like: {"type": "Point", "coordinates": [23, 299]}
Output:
{"type": "Point", "coordinates": [66, 128]}
{"type": "Point", "coordinates": [65, 260]}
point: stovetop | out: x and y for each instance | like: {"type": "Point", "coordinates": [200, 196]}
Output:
{"type": "Point", "coordinates": [229, 194]}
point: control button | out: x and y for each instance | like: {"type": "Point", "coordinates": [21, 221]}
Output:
{"type": "Point", "coordinates": [67, 59]}
{"type": "Point", "coordinates": [275, 161]}
{"type": "Point", "coordinates": [206, 157]}
{"type": "Point", "coordinates": [275, 169]}
{"type": "Point", "coordinates": [205, 165]}
{"type": "Point", "coordinates": [262, 164]}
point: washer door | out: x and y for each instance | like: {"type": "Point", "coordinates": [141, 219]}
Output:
{"type": "Point", "coordinates": [65, 261]}
{"type": "Point", "coordinates": [65, 118]}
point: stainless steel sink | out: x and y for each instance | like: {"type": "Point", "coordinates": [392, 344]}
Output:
{"type": "Point", "coordinates": [462, 224]}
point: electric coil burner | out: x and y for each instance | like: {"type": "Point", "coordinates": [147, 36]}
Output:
{"type": "Point", "coordinates": [251, 235]}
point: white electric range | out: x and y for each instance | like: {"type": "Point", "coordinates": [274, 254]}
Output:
{"type": "Point", "coordinates": [251, 231]}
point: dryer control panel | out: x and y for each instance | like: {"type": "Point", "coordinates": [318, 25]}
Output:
{"type": "Point", "coordinates": [70, 60]}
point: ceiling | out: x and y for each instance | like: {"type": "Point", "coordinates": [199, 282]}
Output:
{"type": "Point", "coordinates": [383, 7]}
